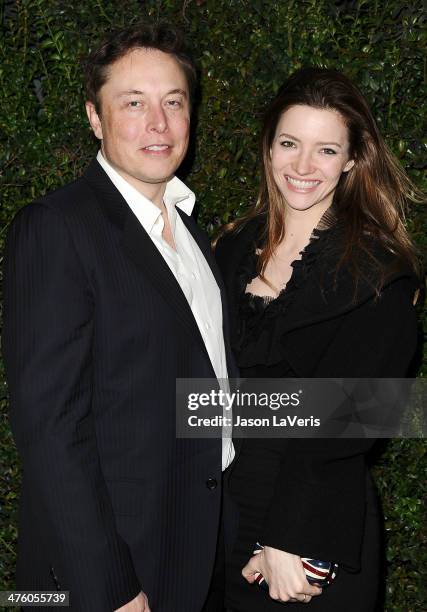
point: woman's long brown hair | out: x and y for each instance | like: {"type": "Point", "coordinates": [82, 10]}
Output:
{"type": "Point", "coordinates": [370, 200]}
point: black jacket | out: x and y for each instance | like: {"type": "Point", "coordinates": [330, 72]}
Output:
{"type": "Point", "coordinates": [329, 331]}
{"type": "Point", "coordinates": [96, 331]}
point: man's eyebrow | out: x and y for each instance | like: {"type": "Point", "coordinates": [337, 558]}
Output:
{"type": "Point", "coordinates": [182, 92]}
{"type": "Point", "coordinates": [131, 92]}
{"type": "Point", "coordinates": [138, 92]}
{"type": "Point", "coordinates": [337, 144]}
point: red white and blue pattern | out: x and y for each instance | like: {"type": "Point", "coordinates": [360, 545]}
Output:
{"type": "Point", "coordinates": [319, 573]}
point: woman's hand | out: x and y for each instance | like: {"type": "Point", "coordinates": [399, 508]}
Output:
{"type": "Point", "coordinates": [139, 604]}
{"type": "Point", "coordinates": [284, 574]}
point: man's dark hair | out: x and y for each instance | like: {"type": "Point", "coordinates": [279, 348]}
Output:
{"type": "Point", "coordinates": [162, 37]}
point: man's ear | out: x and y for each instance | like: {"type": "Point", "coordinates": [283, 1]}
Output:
{"type": "Point", "coordinates": [349, 165]}
{"type": "Point", "coordinates": [94, 120]}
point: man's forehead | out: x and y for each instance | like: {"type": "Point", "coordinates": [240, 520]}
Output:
{"type": "Point", "coordinates": [146, 65]}
{"type": "Point", "coordinates": [149, 58]}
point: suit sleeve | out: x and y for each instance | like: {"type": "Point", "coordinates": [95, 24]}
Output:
{"type": "Point", "coordinates": [47, 344]}
{"type": "Point", "coordinates": [318, 506]}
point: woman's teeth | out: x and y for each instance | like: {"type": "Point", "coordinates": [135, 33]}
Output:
{"type": "Point", "coordinates": [302, 184]}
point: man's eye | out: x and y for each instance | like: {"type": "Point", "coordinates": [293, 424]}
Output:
{"type": "Point", "coordinates": [135, 103]}
{"type": "Point", "coordinates": [329, 151]}
{"type": "Point", "coordinates": [174, 103]}
{"type": "Point", "coordinates": [288, 144]}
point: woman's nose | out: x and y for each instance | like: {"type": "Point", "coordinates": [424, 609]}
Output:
{"type": "Point", "coordinates": [303, 163]}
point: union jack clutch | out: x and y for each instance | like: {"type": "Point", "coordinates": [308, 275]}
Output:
{"type": "Point", "coordinates": [318, 573]}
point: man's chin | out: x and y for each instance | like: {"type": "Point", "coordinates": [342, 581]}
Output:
{"type": "Point", "coordinates": [154, 180]}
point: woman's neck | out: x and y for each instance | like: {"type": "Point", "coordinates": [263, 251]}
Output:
{"type": "Point", "coordinates": [299, 225]}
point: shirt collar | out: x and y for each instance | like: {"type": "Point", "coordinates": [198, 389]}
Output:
{"type": "Point", "coordinates": [176, 194]}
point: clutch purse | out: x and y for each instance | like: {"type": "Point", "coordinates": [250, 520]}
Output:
{"type": "Point", "coordinates": [318, 573]}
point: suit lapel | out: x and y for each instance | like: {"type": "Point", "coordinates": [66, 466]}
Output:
{"type": "Point", "coordinates": [140, 248]}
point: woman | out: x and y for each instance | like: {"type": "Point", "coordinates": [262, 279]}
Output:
{"type": "Point", "coordinates": [321, 277]}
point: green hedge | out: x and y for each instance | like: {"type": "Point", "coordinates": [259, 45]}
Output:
{"type": "Point", "coordinates": [244, 51]}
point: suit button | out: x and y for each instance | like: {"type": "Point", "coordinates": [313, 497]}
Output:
{"type": "Point", "coordinates": [211, 484]}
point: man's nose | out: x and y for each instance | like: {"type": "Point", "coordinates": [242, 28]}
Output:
{"type": "Point", "coordinates": [157, 119]}
{"type": "Point", "coordinates": [303, 164]}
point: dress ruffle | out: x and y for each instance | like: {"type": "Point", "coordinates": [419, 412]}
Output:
{"type": "Point", "coordinates": [258, 341]}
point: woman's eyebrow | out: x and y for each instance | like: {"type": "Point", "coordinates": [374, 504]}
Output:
{"type": "Point", "coordinates": [336, 144]}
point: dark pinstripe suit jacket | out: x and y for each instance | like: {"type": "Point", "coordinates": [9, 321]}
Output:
{"type": "Point", "coordinates": [96, 331]}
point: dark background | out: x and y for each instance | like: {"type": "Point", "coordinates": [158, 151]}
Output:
{"type": "Point", "coordinates": [244, 51]}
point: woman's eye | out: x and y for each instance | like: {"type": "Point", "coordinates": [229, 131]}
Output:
{"type": "Point", "coordinates": [135, 103]}
{"type": "Point", "coordinates": [288, 144]}
{"type": "Point", "coordinates": [329, 151]}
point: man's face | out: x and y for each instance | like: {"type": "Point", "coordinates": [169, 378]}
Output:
{"type": "Point", "coordinates": [144, 118]}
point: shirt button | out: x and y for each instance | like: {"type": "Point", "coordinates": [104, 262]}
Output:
{"type": "Point", "coordinates": [193, 275]}
{"type": "Point", "coordinates": [207, 326]}
{"type": "Point", "coordinates": [211, 484]}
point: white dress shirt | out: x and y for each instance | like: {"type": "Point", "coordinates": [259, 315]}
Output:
{"type": "Point", "coordinates": [187, 263]}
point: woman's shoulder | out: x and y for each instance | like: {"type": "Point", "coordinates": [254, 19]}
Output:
{"type": "Point", "coordinates": [370, 261]}
{"type": "Point", "coordinates": [233, 245]}
{"type": "Point", "coordinates": [337, 285]}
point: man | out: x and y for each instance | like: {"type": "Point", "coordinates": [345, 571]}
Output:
{"type": "Point", "coordinates": [111, 294]}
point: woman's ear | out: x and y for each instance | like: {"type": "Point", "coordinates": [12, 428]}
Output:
{"type": "Point", "coordinates": [349, 165]}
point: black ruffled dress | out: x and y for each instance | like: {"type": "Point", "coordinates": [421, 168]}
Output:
{"type": "Point", "coordinates": [260, 354]}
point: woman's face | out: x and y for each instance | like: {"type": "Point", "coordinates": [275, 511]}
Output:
{"type": "Point", "coordinates": [309, 153]}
